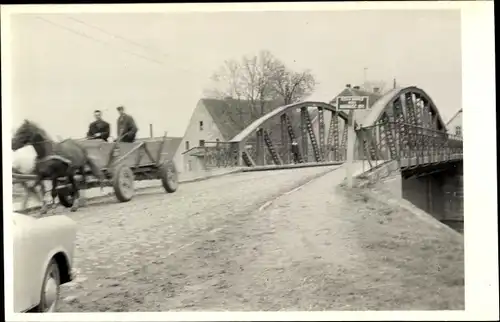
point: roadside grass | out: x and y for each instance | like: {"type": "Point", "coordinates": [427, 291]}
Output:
{"type": "Point", "coordinates": [411, 264]}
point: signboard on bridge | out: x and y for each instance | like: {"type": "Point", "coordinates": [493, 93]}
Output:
{"type": "Point", "coordinates": [352, 102]}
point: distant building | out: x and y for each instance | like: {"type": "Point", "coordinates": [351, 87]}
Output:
{"type": "Point", "coordinates": [349, 90]}
{"type": "Point", "coordinates": [373, 96]}
{"type": "Point", "coordinates": [454, 125]}
{"type": "Point", "coordinates": [219, 120]}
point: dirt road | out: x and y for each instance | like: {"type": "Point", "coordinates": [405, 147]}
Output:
{"type": "Point", "coordinates": [162, 252]}
{"type": "Point", "coordinates": [253, 241]}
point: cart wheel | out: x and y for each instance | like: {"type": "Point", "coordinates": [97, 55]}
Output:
{"type": "Point", "coordinates": [123, 183]}
{"type": "Point", "coordinates": [66, 197]}
{"type": "Point", "coordinates": [168, 176]}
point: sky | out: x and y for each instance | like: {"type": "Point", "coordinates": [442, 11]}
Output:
{"type": "Point", "coordinates": [158, 65]}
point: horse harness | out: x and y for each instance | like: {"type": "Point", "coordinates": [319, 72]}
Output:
{"type": "Point", "coordinates": [54, 157]}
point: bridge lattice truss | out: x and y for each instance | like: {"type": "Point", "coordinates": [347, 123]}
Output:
{"type": "Point", "coordinates": [403, 125]}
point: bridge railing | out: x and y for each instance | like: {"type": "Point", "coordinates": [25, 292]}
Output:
{"type": "Point", "coordinates": [216, 154]}
{"type": "Point", "coordinates": [409, 144]}
{"type": "Point", "coordinates": [284, 152]}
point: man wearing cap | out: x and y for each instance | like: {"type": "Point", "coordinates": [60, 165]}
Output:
{"type": "Point", "coordinates": [126, 127]}
{"type": "Point", "coordinates": [99, 129]}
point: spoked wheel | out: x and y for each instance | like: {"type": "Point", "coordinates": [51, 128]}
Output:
{"type": "Point", "coordinates": [66, 196]}
{"type": "Point", "coordinates": [49, 297]}
{"type": "Point", "coordinates": [169, 177]}
{"type": "Point", "coordinates": [123, 183]}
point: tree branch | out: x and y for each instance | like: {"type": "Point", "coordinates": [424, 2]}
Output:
{"type": "Point", "coordinates": [260, 79]}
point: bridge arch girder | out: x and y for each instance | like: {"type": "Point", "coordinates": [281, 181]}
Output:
{"type": "Point", "coordinates": [404, 123]}
{"type": "Point", "coordinates": [376, 112]}
{"type": "Point", "coordinates": [407, 114]}
{"type": "Point", "coordinates": [276, 113]}
{"type": "Point", "coordinates": [388, 100]}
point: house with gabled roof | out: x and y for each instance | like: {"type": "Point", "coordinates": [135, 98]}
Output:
{"type": "Point", "coordinates": [215, 120]}
{"type": "Point", "coordinates": [454, 125]}
{"type": "Point", "coordinates": [349, 90]}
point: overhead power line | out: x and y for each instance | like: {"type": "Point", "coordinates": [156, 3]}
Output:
{"type": "Point", "coordinates": [97, 40]}
{"type": "Point", "coordinates": [135, 43]}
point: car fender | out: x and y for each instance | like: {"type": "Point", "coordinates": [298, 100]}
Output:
{"type": "Point", "coordinates": [22, 289]}
{"type": "Point", "coordinates": [64, 245]}
{"type": "Point", "coordinates": [37, 280]}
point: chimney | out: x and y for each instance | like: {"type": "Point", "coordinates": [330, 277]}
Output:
{"type": "Point", "coordinates": [356, 87]}
{"type": "Point", "coordinates": [348, 85]}
{"type": "Point", "coordinates": [376, 89]}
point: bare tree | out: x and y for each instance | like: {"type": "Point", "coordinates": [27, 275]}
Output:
{"type": "Point", "coordinates": [265, 89]}
{"type": "Point", "coordinates": [258, 72]}
{"type": "Point", "coordinates": [227, 81]}
{"type": "Point", "coordinates": [292, 86]}
{"type": "Point", "coordinates": [260, 79]}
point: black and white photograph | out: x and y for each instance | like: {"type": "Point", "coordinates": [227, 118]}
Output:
{"type": "Point", "coordinates": [248, 159]}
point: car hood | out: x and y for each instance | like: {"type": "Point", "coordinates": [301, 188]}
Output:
{"type": "Point", "coordinates": [21, 220]}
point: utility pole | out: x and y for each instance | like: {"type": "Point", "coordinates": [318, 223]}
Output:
{"type": "Point", "coordinates": [364, 75]}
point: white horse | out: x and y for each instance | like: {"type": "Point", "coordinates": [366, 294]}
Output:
{"type": "Point", "coordinates": [23, 162]}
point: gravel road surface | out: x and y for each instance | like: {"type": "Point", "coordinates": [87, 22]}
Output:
{"type": "Point", "coordinates": [183, 251]}
{"type": "Point", "coordinates": [263, 241]}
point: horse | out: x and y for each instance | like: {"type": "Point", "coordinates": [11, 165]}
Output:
{"type": "Point", "coordinates": [23, 163]}
{"type": "Point", "coordinates": [55, 160]}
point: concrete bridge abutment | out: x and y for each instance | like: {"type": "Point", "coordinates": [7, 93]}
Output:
{"type": "Point", "coordinates": [435, 189]}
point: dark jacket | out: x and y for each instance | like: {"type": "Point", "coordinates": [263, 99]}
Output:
{"type": "Point", "coordinates": [126, 124]}
{"type": "Point", "coordinates": [99, 126]}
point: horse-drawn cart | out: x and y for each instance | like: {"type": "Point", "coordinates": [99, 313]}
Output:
{"type": "Point", "coordinates": [121, 164]}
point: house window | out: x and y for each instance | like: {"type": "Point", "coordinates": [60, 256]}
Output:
{"type": "Point", "coordinates": [458, 130]}
{"type": "Point", "coordinates": [187, 145]}
{"type": "Point", "coordinates": [190, 166]}
{"type": "Point", "coordinates": [202, 142]}
{"type": "Point", "coordinates": [201, 125]}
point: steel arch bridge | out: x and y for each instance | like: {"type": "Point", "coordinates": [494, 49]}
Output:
{"type": "Point", "coordinates": [404, 124]}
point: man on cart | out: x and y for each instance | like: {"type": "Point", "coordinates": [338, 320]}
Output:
{"type": "Point", "coordinates": [99, 129]}
{"type": "Point", "coordinates": [127, 129]}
